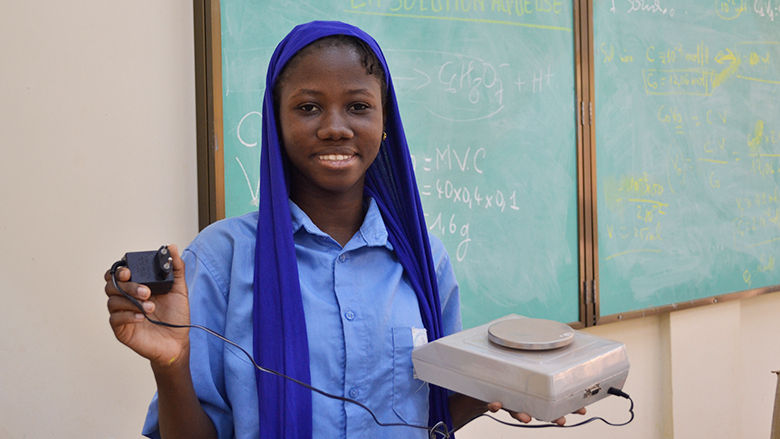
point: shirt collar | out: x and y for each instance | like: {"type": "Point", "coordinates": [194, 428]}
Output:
{"type": "Point", "coordinates": [372, 233]}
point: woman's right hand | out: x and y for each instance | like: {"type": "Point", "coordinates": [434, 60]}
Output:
{"type": "Point", "coordinates": [163, 346]}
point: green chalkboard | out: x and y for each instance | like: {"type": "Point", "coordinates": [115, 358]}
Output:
{"type": "Point", "coordinates": [486, 91]}
{"type": "Point", "coordinates": [688, 149]}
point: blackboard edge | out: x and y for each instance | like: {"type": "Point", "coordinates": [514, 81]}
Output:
{"type": "Point", "coordinates": [711, 300]}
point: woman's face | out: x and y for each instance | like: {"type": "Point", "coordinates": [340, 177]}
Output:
{"type": "Point", "coordinates": [330, 112]}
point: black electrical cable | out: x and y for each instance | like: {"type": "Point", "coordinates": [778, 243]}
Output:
{"type": "Point", "coordinates": [611, 391]}
{"type": "Point", "coordinates": [433, 432]}
{"type": "Point", "coordinates": [439, 430]}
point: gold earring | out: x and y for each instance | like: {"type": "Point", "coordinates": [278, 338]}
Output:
{"type": "Point", "coordinates": [384, 135]}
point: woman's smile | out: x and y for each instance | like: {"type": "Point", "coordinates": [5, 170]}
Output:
{"type": "Point", "coordinates": [337, 160]}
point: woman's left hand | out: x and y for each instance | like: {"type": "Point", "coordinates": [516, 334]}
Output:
{"type": "Point", "coordinates": [524, 417]}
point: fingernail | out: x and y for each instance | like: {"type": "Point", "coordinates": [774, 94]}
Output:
{"type": "Point", "coordinates": [139, 316]}
{"type": "Point", "coordinates": [148, 306]}
{"type": "Point", "coordinates": [143, 292]}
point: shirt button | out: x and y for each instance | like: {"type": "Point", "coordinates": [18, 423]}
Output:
{"type": "Point", "coordinates": [342, 258]}
{"type": "Point", "coordinates": [353, 393]}
{"type": "Point", "coordinates": [349, 315]}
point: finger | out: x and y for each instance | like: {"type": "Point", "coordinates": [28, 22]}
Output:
{"type": "Point", "coordinates": [121, 303]}
{"type": "Point", "coordinates": [581, 411]}
{"type": "Point", "coordinates": [560, 421]}
{"type": "Point", "coordinates": [124, 318]}
{"type": "Point", "coordinates": [135, 290]}
{"type": "Point", "coordinates": [494, 406]}
{"type": "Point", "coordinates": [122, 274]}
{"type": "Point", "coordinates": [522, 417]}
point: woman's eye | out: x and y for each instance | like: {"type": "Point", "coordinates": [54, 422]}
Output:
{"type": "Point", "coordinates": [307, 108]}
{"type": "Point", "coordinates": [359, 106]}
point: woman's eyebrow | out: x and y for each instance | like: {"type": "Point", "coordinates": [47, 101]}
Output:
{"type": "Point", "coordinates": [307, 91]}
{"type": "Point", "coordinates": [364, 91]}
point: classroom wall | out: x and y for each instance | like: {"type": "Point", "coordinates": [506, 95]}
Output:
{"type": "Point", "coordinates": [97, 118]}
{"type": "Point", "coordinates": [98, 122]}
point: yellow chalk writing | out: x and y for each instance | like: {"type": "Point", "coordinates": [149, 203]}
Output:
{"type": "Point", "coordinates": [506, 12]}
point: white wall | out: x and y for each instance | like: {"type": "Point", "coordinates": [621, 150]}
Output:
{"type": "Point", "coordinates": [97, 117]}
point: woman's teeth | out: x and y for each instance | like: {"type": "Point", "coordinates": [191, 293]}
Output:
{"type": "Point", "coordinates": [334, 157]}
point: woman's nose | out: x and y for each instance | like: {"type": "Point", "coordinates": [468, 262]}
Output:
{"type": "Point", "coordinates": [335, 126]}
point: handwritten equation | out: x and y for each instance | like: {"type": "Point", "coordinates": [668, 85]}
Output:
{"type": "Point", "coordinates": [540, 14]}
{"type": "Point", "coordinates": [674, 69]}
{"type": "Point", "coordinates": [456, 87]}
{"type": "Point", "coordinates": [724, 9]}
{"type": "Point", "coordinates": [640, 205]}
{"type": "Point", "coordinates": [708, 166]}
{"type": "Point", "coordinates": [456, 177]}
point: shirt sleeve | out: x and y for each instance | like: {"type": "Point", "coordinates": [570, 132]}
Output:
{"type": "Point", "coordinates": [207, 308]}
{"type": "Point", "coordinates": [449, 294]}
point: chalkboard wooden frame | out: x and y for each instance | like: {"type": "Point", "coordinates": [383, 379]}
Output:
{"type": "Point", "coordinates": [208, 94]}
{"type": "Point", "coordinates": [584, 170]}
{"type": "Point", "coordinates": [211, 190]}
{"type": "Point", "coordinates": [590, 235]}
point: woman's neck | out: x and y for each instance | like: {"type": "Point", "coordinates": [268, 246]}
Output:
{"type": "Point", "coordinates": [338, 216]}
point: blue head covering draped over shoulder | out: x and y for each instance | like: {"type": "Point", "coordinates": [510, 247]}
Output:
{"type": "Point", "coordinates": [280, 340]}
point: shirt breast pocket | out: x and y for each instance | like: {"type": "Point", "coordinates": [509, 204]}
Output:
{"type": "Point", "coordinates": [410, 395]}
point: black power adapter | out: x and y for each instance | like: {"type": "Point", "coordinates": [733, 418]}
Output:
{"type": "Point", "coordinates": [151, 268]}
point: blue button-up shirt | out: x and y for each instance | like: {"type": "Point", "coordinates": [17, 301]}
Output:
{"type": "Point", "coordinates": [362, 321]}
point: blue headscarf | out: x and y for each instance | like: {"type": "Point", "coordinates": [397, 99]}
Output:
{"type": "Point", "coordinates": [280, 340]}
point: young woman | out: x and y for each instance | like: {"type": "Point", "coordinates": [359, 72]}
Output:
{"type": "Point", "coordinates": [333, 281]}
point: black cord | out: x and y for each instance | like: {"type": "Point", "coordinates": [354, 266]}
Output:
{"type": "Point", "coordinates": [438, 430]}
{"type": "Point", "coordinates": [611, 391]}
